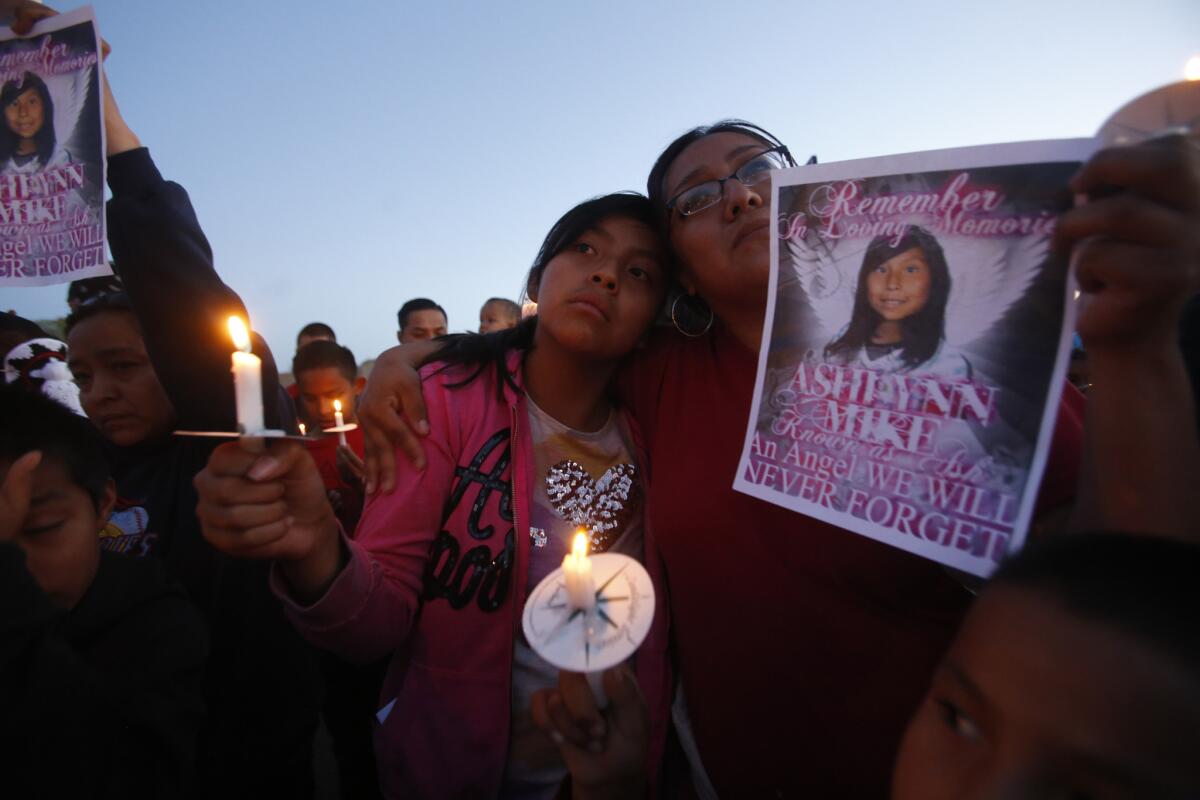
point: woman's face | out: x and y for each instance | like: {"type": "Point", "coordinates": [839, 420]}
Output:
{"type": "Point", "coordinates": [601, 293]}
{"type": "Point", "coordinates": [724, 250]}
{"type": "Point", "coordinates": [899, 287]}
{"type": "Point", "coordinates": [118, 387]}
{"type": "Point", "coordinates": [24, 115]}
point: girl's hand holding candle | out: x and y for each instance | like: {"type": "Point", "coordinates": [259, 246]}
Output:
{"type": "Point", "coordinates": [247, 380]}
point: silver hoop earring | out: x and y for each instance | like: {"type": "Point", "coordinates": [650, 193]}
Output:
{"type": "Point", "coordinates": [680, 328]}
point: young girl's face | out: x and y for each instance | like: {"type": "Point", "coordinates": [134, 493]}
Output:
{"type": "Point", "coordinates": [118, 387]}
{"type": "Point", "coordinates": [600, 294]}
{"type": "Point", "coordinates": [1033, 700]}
{"type": "Point", "coordinates": [25, 114]}
{"type": "Point", "coordinates": [899, 287]}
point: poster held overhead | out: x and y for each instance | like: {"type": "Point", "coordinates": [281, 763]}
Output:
{"type": "Point", "coordinates": [52, 165]}
{"type": "Point", "coordinates": [916, 339]}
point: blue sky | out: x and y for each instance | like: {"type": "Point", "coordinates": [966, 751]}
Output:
{"type": "Point", "coordinates": [345, 158]}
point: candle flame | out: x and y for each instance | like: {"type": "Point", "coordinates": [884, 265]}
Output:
{"type": "Point", "coordinates": [1191, 70]}
{"type": "Point", "coordinates": [239, 334]}
{"type": "Point", "coordinates": [579, 547]}
{"type": "Point", "coordinates": [303, 429]}
{"type": "Point", "coordinates": [337, 406]}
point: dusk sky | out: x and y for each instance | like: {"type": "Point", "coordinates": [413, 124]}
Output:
{"type": "Point", "coordinates": [344, 158]}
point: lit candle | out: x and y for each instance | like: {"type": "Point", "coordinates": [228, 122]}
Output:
{"type": "Point", "coordinates": [303, 429]}
{"type": "Point", "coordinates": [577, 573]}
{"type": "Point", "coordinates": [339, 421]}
{"type": "Point", "coordinates": [247, 379]}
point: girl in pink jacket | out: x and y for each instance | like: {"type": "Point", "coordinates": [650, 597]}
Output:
{"type": "Point", "coordinates": [525, 447]}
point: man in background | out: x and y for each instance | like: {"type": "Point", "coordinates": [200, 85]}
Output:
{"type": "Point", "coordinates": [421, 319]}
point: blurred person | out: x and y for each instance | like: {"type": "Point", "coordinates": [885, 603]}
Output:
{"type": "Point", "coordinates": [420, 319]}
{"type": "Point", "coordinates": [1075, 674]}
{"type": "Point", "coordinates": [103, 656]}
{"type": "Point", "coordinates": [498, 314]}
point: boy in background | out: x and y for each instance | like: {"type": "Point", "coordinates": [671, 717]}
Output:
{"type": "Point", "coordinates": [312, 332]}
{"type": "Point", "coordinates": [325, 372]}
{"type": "Point", "coordinates": [102, 656]}
{"type": "Point", "coordinates": [498, 314]}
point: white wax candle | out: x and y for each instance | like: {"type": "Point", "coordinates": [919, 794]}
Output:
{"type": "Point", "coordinates": [247, 380]}
{"type": "Point", "coordinates": [339, 421]}
{"type": "Point", "coordinates": [577, 574]}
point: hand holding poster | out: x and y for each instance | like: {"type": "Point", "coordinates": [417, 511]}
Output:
{"type": "Point", "coordinates": [52, 226]}
{"type": "Point", "coordinates": [915, 344]}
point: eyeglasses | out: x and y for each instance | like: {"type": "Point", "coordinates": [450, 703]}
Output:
{"type": "Point", "coordinates": [753, 172]}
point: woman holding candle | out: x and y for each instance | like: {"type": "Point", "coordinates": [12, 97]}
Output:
{"type": "Point", "coordinates": [526, 449]}
{"type": "Point", "coordinates": [152, 359]}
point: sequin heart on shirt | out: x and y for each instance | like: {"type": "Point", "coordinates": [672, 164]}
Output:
{"type": "Point", "coordinates": [602, 506]}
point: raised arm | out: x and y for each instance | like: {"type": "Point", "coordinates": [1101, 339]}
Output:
{"type": "Point", "coordinates": [1137, 257]}
{"type": "Point", "coordinates": [182, 305]}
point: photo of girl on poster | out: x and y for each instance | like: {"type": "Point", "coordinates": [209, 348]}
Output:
{"type": "Point", "coordinates": [917, 337]}
{"type": "Point", "coordinates": [28, 137]}
{"type": "Point", "coordinates": [899, 318]}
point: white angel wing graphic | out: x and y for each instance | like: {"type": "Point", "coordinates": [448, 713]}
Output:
{"type": "Point", "coordinates": [69, 93]}
{"type": "Point", "coordinates": [987, 277]}
{"type": "Point", "coordinates": [827, 285]}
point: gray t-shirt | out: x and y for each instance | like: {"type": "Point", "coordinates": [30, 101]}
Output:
{"type": "Point", "coordinates": [585, 480]}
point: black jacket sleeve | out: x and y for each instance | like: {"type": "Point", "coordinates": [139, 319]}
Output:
{"type": "Point", "coordinates": [166, 265]}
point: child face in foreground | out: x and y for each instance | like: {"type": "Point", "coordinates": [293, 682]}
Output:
{"type": "Point", "coordinates": [118, 387]}
{"type": "Point", "coordinates": [319, 387]}
{"type": "Point", "coordinates": [1033, 701]}
{"type": "Point", "coordinates": [599, 295]}
{"type": "Point", "coordinates": [60, 533]}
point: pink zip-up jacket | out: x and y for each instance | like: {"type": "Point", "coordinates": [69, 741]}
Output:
{"type": "Point", "coordinates": [437, 578]}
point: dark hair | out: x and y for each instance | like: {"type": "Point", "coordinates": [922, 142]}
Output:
{"type": "Point", "coordinates": [922, 333]}
{"type": "Point", "coordinates": [100, 304]}
{"type": "Point", "coordinates": [32, 421]}
{"type": "Point", "coordinates": [510, 308]}
{"type": "Point", "coordinates": [44, 138]}
{"type": "Point", "coordinates": [417, 304]}
{"type": "Point", "coordinates": [683, 305]}
{"type": "Point", "coordinates": [324, 353]}
{"type": "Point", "coordinates": [87, 289]}
{"type": "Point", "coordinates": [15, 330]}
{"type": "Point", "coordinates": [656, 189]}
{"type": "Point", "coordinates": [318, 329]}
{"type": "Point", "coordinates": [482, 349]}
{"type": "Point", "coordinates": [1144, 586]}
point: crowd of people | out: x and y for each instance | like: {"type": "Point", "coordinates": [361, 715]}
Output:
{"type": "Point", "coordinates": [180, 614]}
